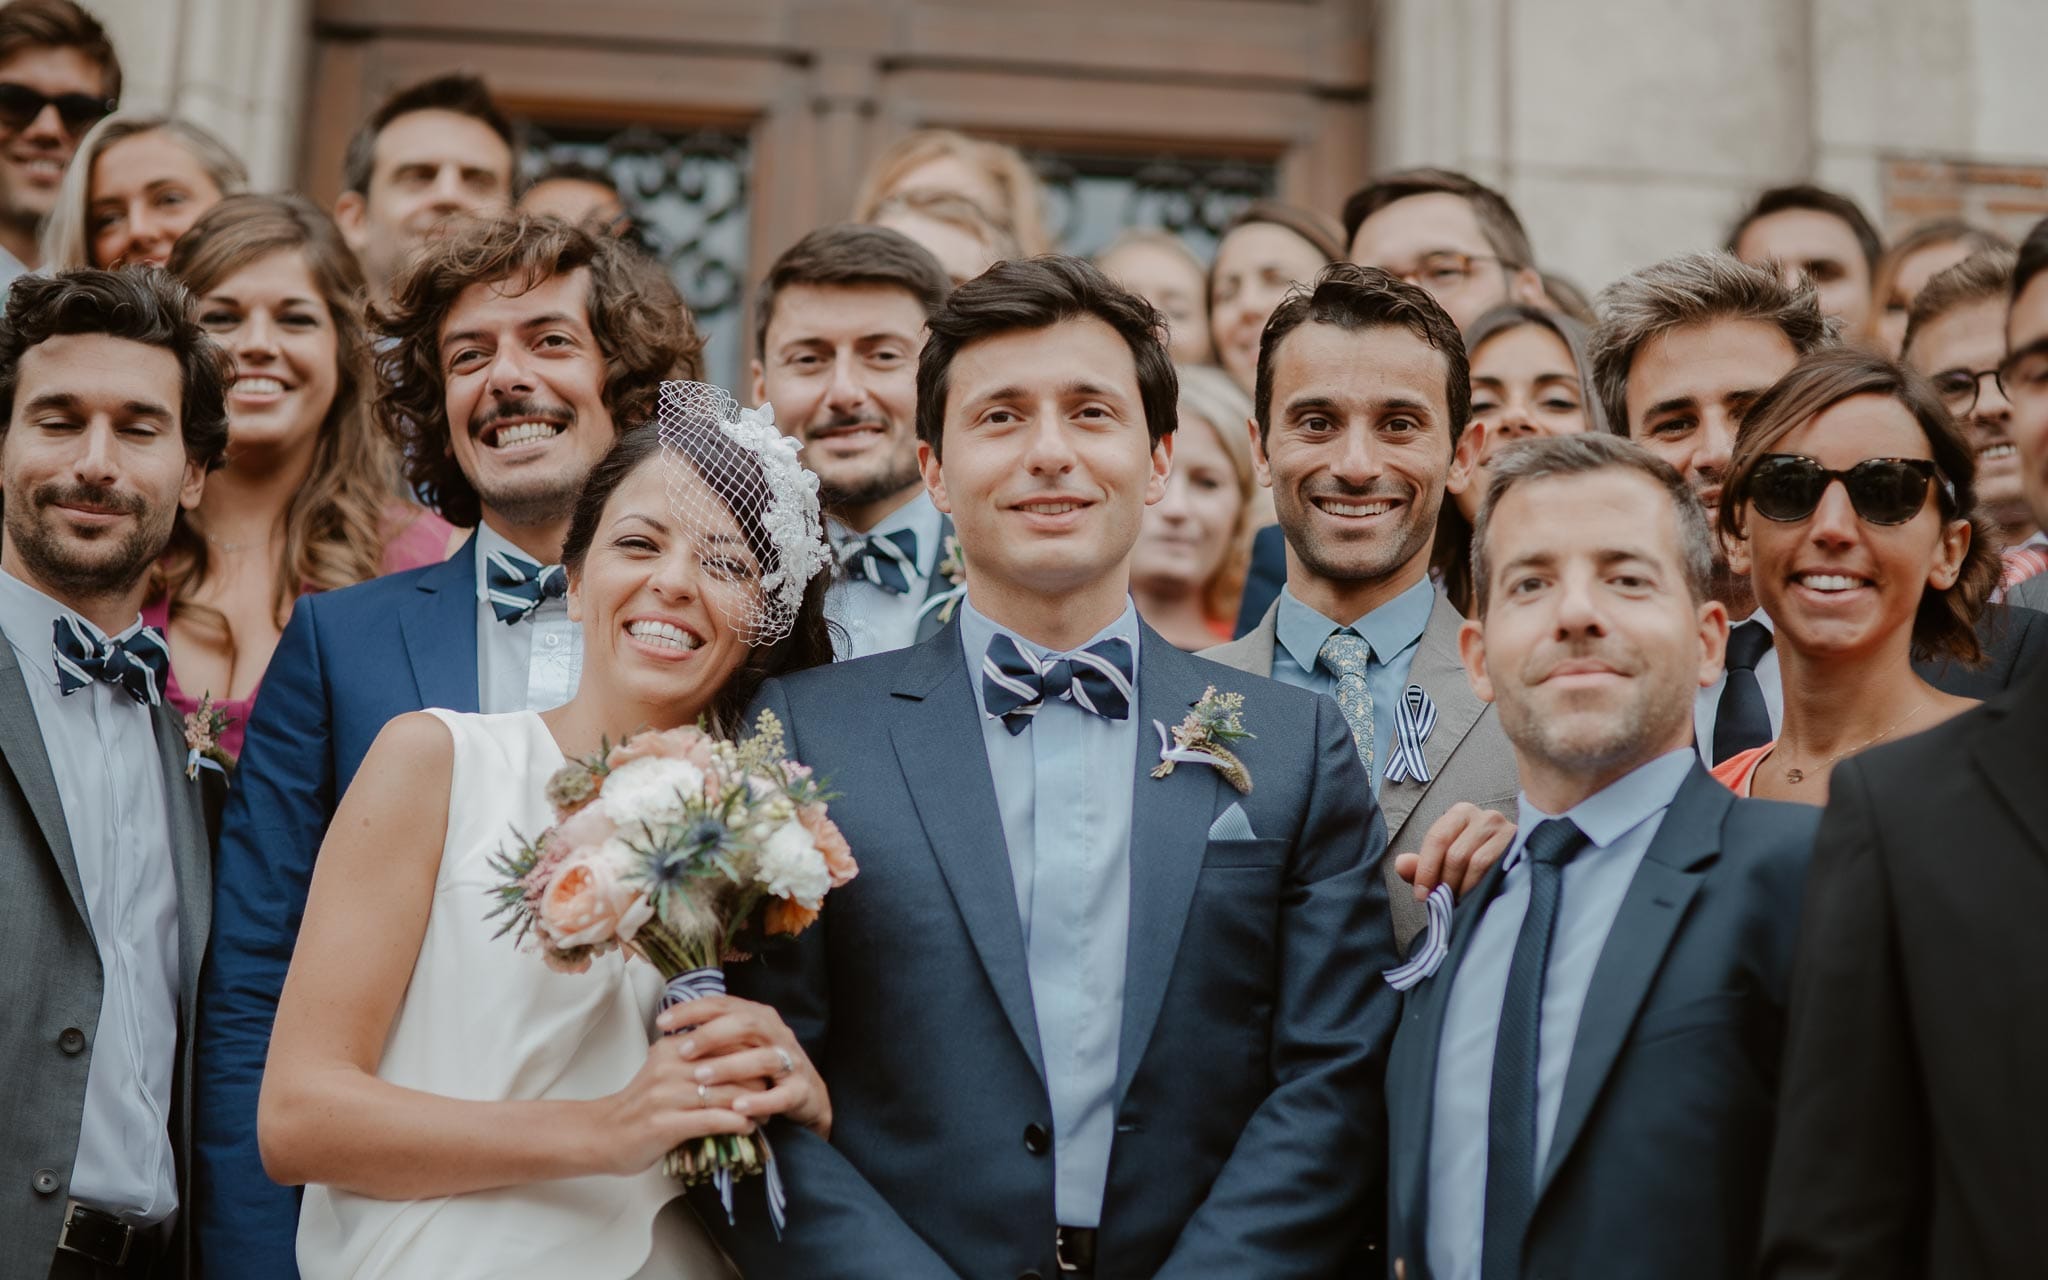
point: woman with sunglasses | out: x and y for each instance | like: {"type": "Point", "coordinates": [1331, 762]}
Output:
{"type": "Point", "coordinates": [1853, 510]}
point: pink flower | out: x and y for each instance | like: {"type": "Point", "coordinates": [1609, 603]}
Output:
{"type": "Point", "coordinates": [589, 902]}
{"type": "Point", "coordinates": [687, 743]}
{"type": "Point", "coordinates": [831, 842]}
{"type": "Point", "coordinates": [587, 828]}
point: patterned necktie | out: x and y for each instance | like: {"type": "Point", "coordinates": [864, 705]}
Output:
{"type": "Point", "coordinates": [518, 586]}
{"type": "Point", "coordinates": [885, 560]}
{"type": "Point", "coordinates": [1511, 1111]}
{"type": "Point", "coordinates": [1096, 679]}
{"type": "Point", "coordinates": [1346, 656]}
{"type": "Point", "coordinates": [138, 665]}
{"type": "Point", "coordinates": [1743, 719]}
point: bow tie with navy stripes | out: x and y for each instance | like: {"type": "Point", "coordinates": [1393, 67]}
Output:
{"type": "Point", "coordinates": [137, 665]}
{"type": "Point", "coordinates": [518, 586]}
{"type": "Point", "coordinates": [1016, 686]}
{"type": "Point", "coordinates": [885, 560]}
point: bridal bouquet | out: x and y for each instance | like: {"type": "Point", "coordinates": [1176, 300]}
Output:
{"type": "Point", "coordinates": [681, 848]}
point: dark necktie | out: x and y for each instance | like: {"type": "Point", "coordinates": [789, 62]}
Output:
{"type": "Point", "coordinates": [1743, 720]}
{"type": "Point", "coordinates": [518, 586]}
{"type": "Point", "coordinates": [885, 560]}
{"type": "Point", "coordinates": [1096, 679]}
{"type": "Point", "coordinates": [1511, 1113]}
{"type": "Point", "coordinates": [137, 665]}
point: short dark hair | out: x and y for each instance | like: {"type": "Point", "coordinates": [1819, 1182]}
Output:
{"type": "Point", "coordinates": [636, 316]}
{"type": "Point", "coordinates": [1585, 454]}
{"type": "Point", "coordinates": [60, 24]}
{"type": "Point", "coordinates": [1804, 195]}
{"type": "Point", "coordinates": [576, 171]}
{"type": "Point", "coordinates": [459, 92]}
{"type": "Point", "coordinates": [1355, 298]}
{"type": "Point", "coordinates": [139, 304]}
{"type": "Point", "coordinates": [851, 253]}
{"type": "Point", "coordinates": [2032, 259]}
{"type": "Point", "coordinates": [1981, 277]}
{"type": "Point", "coordinates": [1037, 293]}
{"type": "Point", "coordinates": [1497, 219]}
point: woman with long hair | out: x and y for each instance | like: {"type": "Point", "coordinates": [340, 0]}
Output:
{"type": "Point", "coordinates": [995, 178]}
{"type": "Point", "coordinates": [137, 183]}
{"type": "Point", "coordinates": [308, 499]}
{"type": "Point", "coordinates": [1851, 503]}
{"type": "Point", "coordinates": [458, 1108]}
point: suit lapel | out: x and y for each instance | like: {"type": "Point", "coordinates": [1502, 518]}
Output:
{"type": "Point", "coordinates": [2009, 753]}
{"type": "Point", "coordinates": [21, 745]}
{"type": "Point", "coordinates": [938, 742]}
{"type": "Point", "coordinates": [191, 854]}
{"type": "Point", "coordinates": [1441, 674]}
{"type": "Point", "coordinates": [1687, 840]}
{"type": "Point", "coordinates": [929, 623]}
{"type": "Point", "coordinates": [1170, 820]}
{"type": "Point", "coordinates": [439, 626]}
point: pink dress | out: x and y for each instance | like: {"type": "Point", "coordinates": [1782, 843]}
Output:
{"type": "Point", "coordinates": [422, 540]}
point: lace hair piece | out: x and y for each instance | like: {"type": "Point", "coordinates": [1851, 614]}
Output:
{"type": "Point", "coordinates": [726, 468]}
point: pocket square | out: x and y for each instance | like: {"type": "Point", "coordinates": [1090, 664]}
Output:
{"type": "Point", "coordinates": [1231, 824]}
{"type": "Point", "coordinates": [1431, 947]}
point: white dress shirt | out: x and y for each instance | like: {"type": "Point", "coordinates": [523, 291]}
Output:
{"type": "Point", "coordinates": [529, 665]}
{"type": "Point", "coordinates": [1706, 704]}
{"type": "Point", "coordinates": [110, 779]}
{"type": "Point", "coordinates": [870, 619]}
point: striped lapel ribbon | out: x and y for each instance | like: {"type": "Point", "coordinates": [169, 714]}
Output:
{"type": "Point", "coordinates": [137, 665]}
{"type": "Point", "coordinates": [1414, 717]}
{"type": "Point", "coordinates": [1014, 685]}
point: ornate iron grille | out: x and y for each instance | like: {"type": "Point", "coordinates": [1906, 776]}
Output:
{"type": "Point", "coordinates": [1090, 198]}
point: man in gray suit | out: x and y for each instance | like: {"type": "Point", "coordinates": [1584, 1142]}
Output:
{"type": "Point", "coordinates": [1104, 1000]}
{"type": "Point", "coordinates": [1585, 1087]}
{"type": "Point", "coordinates": [1362, 391]}
{"type": "Point", "coordinates": [111, 412]}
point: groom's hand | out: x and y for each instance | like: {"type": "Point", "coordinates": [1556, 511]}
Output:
{"type": "Point", "coordinates": [747, 1045]}
{"type": "Point", "coordinates": [1459, 849]}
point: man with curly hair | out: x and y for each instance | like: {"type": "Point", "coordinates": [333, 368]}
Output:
{"type": "Point", "coordinates": [519, 348]}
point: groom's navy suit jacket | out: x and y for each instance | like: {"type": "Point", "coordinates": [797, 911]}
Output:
{"type": "Point", "coordinates": [1663, 1135]}
{"type": "Point", "coordinates": [1249, 1125]}
{"type": "Point", "coordinates": [348, 662]}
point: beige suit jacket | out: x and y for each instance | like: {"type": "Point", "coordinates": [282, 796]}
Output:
{"type": "Point", "coordinates": [1469, 757]}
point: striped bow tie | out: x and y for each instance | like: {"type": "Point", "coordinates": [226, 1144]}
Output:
{"type": "Point", "coordinates": [518, 586]}
{"type": "Point", "coordinates": [137, 664]}
{"type": "Point", "coordinates": [1097, 679]}
{"type": "Point", "coordinates": [885, 560]}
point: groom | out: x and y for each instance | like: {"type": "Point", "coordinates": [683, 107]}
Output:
{"type": "Point", "coordinates": [1077, 1018]}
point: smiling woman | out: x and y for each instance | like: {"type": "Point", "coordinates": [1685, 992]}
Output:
{"type": "Point", "coordinates": [136, 185]}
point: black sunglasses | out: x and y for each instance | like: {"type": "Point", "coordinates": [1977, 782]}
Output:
{"type": "Point", "coordinates": [20, 105]}
{"type": "Point", "coordinates": [1787, 486]}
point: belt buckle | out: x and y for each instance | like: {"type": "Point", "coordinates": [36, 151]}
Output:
{"type": "Point", "coordinates": [99, 1236]}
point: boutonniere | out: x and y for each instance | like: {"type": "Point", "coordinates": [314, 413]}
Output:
{"type": "Point", "coordinates": [952, 567]}
{"type": "Point", "coordinates": [1204, 737]}
{"type": "Point", "coordinates": [203, 730]}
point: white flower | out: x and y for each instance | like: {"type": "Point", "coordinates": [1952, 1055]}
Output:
{"type": "Point", "coordinates": [650, 790]}
{"type": "Point", "coordinates": [791, 866]}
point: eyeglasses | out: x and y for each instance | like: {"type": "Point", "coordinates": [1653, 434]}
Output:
{"type": "Point", "coordinates": [20, 105]}
{"type": "Point", "coordinates": [1960, 388]}
{"type": "Point", "coordinates": [1787, 487]}
{"type": "Point", "coordinates": [1444, 269]}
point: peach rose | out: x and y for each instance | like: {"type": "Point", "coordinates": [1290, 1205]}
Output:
{"type": "Point", "coordinates": [784, 916]}
{"type": "Point", "coordinates": [831, 842]}
{"type": "Point", "coordinates": [589, 902]}
{"type": "Point", "coordinates": [687, 743]}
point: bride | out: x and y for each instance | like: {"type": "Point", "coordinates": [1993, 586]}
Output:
{"type": "Point", "coordinates": [455, 1107]}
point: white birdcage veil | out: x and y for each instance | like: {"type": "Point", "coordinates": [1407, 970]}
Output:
{"type": "Point", "coordinates": [728, 466]}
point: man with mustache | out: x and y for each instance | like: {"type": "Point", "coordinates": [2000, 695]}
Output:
{"type": "Point", "coordinates": [1584, 1087]}
{"type": "Point", "coordinates": [521, 347]}
{"type": "Point", "coordinates": [111, 414]}
{"type": "Point", "coordinates": [839, 321]}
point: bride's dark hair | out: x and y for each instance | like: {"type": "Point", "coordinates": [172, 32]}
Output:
{"type": "Point", "coordinates": [809, 642]}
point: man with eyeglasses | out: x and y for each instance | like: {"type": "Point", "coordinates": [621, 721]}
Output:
{"type": "Point", "coordinates": [1455, 237]}
{"type": "Point", "coordinates": [58, 78]}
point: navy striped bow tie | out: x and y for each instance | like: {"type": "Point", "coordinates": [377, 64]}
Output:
{"type": "Point", "coordinates": [518, 586]}
{"type": "Point", "coordinates": [138, 665]}
{"type": "Point", "coordinates": [884, 559]}
{"type": "Point", "coordinates": [1015, 686]}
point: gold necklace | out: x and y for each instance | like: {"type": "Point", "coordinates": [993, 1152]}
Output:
{"type": "Point", "coordinates": [1796, 776]}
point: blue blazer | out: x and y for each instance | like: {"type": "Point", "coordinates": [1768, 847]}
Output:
{"type": "Point", "coordinates": [1664, 1131]}
{"type": "Point", "coordinates": [1249, 1128]}
{"type": "Point", "coordinates": [348, 662]}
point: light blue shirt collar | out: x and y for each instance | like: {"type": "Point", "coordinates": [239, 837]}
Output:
{"type": "Point", "coordinates": [977, 629]}
{"type": "Point", "coordinates": [28, 618]}
{"type": "Point", "coordinates": [1391, 629]}
{"type": "Point", "coordinates": [1617, 809]}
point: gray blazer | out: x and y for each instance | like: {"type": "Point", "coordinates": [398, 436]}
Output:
{"type": "Point", "coordinates": [1469, 757]}
{"type": "Point", "coordinates": [53, 1020]}
{"type": "Point", "coordinates": [2031, 594]}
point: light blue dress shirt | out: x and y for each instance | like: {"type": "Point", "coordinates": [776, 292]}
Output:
{"type": "Point", "coordinates": [870, 619]}
{"type": "Point", "coordinates": [1394, 630]}
{"type": "Point", "coordinates": [1065, 787]}
{"type": "Point", "coordinates": [529, 665]}
{"type": "Point", "coordinates": [1619, 822]}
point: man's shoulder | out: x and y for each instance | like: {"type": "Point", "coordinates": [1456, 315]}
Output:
{"type": "Point", "coordinates": [873, 676]}
{"type": "Point", "coordinates": [371, 600]}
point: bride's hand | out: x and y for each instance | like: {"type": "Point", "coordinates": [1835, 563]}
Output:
{"type": "Point", "coordinates": [661, 1108]}
{"type": "Point", "coordinates": [734, 1042]}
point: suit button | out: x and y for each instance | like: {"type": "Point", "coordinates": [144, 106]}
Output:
{"type": "Point", "coordinates": [71, 1040]}
{"type": "Point", "coordinates": [44, 1181]}
{"type": "Point", "coordinates": [1036, 1140]}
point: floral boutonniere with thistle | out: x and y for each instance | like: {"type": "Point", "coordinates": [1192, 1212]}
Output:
{"type": "Point", "coordinates": [203, 729]}
{"type": "Point", "coordinates": [952, 567]}
{"type": "Point", "coordinates": [1204, 737]}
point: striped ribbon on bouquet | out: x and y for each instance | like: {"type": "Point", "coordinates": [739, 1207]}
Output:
{"type": "Point", "coordinates": [699, 984]}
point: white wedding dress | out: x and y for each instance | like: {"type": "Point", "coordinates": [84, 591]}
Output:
{"type": "Point", "coordinates": [485, 1020]}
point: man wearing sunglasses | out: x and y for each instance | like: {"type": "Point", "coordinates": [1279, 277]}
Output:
{"type": "Point", "coordinates": [58, 78]}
